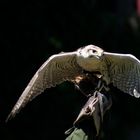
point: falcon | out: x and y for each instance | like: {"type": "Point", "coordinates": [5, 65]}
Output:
{"type": "Point", "coordinates": [121, 70]}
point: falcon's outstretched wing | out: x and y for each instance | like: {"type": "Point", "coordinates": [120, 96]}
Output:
{"type": "Point", "coordinates": [124, 72]}
{"type": "Point", "coordinates": [57, 69]}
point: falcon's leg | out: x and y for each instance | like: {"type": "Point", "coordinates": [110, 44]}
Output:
{"type": "Point", "coordinates": [86, 84]}
{"type": "Point", "coordinates": [102, 85]}
{"type": "Point", "coordinates": [78, 87]}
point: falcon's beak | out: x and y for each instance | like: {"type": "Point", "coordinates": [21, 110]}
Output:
{"type": "Point", "coordinates": [99, 56]}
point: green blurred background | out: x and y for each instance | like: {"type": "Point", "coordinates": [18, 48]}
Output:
{"type": "Point", "coordinates": [31, 31]}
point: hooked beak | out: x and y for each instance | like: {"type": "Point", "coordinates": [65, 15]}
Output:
{"type": "Point", "coordinates": [100, 55]}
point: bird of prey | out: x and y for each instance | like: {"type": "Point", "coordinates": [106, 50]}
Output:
{"type": "Point", "coordinates": [122, 70]}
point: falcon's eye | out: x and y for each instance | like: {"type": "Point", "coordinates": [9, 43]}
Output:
{"type": "Point", "coordinates": [93, 51]}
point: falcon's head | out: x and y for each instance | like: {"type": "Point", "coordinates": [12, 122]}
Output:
{"type": "Point", "coordinates": [89, 57]}
{"type": "Point", "coordinates": [91, 52]}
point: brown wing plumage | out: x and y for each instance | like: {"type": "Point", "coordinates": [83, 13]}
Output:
{"type": "Point", "coordinates": [57, 69]}
{"type": "Point", "coordinates": [124, 71]}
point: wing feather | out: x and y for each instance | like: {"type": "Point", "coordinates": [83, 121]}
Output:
{"type": "Point", "coordinates": [124, 72]}
{"type": "Point", "coordinates": [57, 69]}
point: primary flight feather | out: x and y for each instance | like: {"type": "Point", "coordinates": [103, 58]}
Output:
{"type": "Point", "coordinates": [122, 70]}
